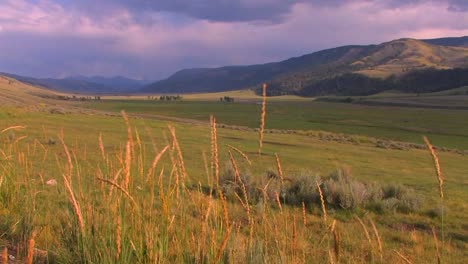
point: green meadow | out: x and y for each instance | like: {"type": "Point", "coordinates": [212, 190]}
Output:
{"type": "Point", "coordinates": [446, 128]}
{"type": "Point", "coordinates": [168, 208]}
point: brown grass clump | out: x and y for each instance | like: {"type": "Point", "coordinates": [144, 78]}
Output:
{"type": "Point", "coordinates": [262, 119]}
{"type": "Point", "coordinates": [438, 171]}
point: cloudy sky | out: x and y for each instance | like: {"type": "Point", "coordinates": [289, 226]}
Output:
{"type": "Point", "coordinates": [150, 39]}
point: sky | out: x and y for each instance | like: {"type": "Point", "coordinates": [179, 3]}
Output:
{"type": "Point", "coordinates": [151, 39]}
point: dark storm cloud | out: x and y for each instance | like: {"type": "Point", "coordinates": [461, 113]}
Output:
{"type": "Point", "coordinates": [238, 10]}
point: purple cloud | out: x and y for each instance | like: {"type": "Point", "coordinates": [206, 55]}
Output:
{"type": "Point", "coordinates": [152, 39]}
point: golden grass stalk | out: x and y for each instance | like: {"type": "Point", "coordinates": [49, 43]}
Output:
{"type": "Point", "coordinates": [366, 233]}
{"type": "Point", "coordinates": [403, 257]}
{"type": "Point", "coordinates": [101, 147]}
{"type": "Point", "coordinates": [12, 128]}
{"type": "Point", "coordinates": [262, 119]}
{"type": "Point", "coordinates": [5, 255]}
{"type": "Point", "coordinates": [280, 170]}
{"type": "Point", "coordinates": [223, 245]}
{"type": "Point", "coordinates": [336, 241]}
{"type": "Point", "coordinates": [240, 153]}
{"type": "Point", "coordinates": [31, 242]}
{"type": "Point", "coordinates": [322, 201]}
{"type": "Point", "coordinates": [179, 154]}
{"type": "Point", "coordinates": [214, 149]}
{"type": "Point", "coordinates": [76, 206]}
{"type": "Point", "coordinates": [234, 166]}
{"type": "Point", "coordinates": [225, 208]}
{"type": "Point", "coordinates": [304, 218]}
{"type": "Point", "coordinates": [241, 182]}
{"type": "Point", "coordinates": [120, 188]}
{"type": "Point", "coordinates": [67, 153]}
{"type": "Point", "coordinates": [438, 171]}
{"type": "Point", "coordinates": [118, 237]}
{"type": "Point", "coordinates": [155, 161]}
{"type": "Point", "coordinates": [379, 240]}
{"type": "Point", "coordinates": [436, 241]}
{"type": "Point", "coordinates": [330, 257]}
{"type": "Point", "coordinates": [128, 151]}
{"type": "Point", "coordinates": [278, 201]}
{"type": "Point", "coordinates": [294, 235]}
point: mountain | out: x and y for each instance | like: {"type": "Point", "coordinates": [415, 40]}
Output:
{"type": "Point", "coordinates": [84, 85]}
{"type": "Point", "coordinates": [354, 65]}
{"type": "Point", "coordinates": [454, 42]}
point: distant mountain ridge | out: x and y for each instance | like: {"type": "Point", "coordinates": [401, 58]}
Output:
{"type": "Point", "coordinates": [85, 85]}
{"type": "Point", "coordinates": [299, 74]}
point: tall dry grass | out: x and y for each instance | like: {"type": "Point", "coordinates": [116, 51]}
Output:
{"type": "Point", "coordinates": [262, 119]}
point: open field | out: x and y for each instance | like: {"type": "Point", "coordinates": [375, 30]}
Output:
{"type": "Point", "coordinates": [33, 155]}
{"type": "Point", "coordinates": [446, 128]}
{"type": "Point", "coordinates": [88, 200]}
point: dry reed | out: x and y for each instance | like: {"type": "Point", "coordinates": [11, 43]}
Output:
{"type": "Point", "coordinates": [223, 245]}
{"type": "Point", "coordinates": [336, 240]}
{"type": "Point", "coordinates": [155, 161]}
{"type": "Point", "coordinates": [278, 201]}
{"type": "Point", "coordinates": [31, 242]}
{"type": "Point", "coordinates": [438, 171]}
{"type": "Point", "coordinates": [436, 241]}
{"type": "Point", "coordinates": [12, 128]}
{"type": "Point", "coordinates": [379, 240]}
{"type": "Point", "coordinates": [304, 218]}
{"type": "Point", "coordinates": [262, 119]}
{"type": "Point", "coordinates": [240, 153]}
{"type": "Point", "coordinates": [403, 257]}
{"type": "Point", "coordinates": [214, 149]}
{"type": "Point", "coordinates": [280, 170]}
{"type": "Point", "coordinates": [5, 255]}
{"type": "Point", "coordinates": [128, 151]}
{"type": "Point", "coordinates": [118, 237]}
{"type": "Point", "coordinates": [101, 147]}
{"type": "Point", "coordinates": [180, 158]}
{"type": "Point", "coordinates": [225, 208]}
{"type": "Point", "coordinates": [120, 188]}
{"type": "Point", "coordinates": [76, 206]}
{"type": "Point", "coordinates": [67, 153]}
{"type": "Point", "coordinates": [322, 201]}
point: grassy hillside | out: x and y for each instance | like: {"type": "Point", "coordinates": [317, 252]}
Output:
{"type": "Point", "coordinates": [83, 85]}
{"type": "Point", "coordinates": [297, 75]}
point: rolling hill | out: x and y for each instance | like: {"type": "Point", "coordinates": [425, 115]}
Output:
{"type": "Point", "coordinates": [84, 85]}
{"type": "Point", "coordinates": [351, 66]}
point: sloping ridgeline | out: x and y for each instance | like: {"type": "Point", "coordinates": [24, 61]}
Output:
{"type": "Point", "coordinates": [419, 81]}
